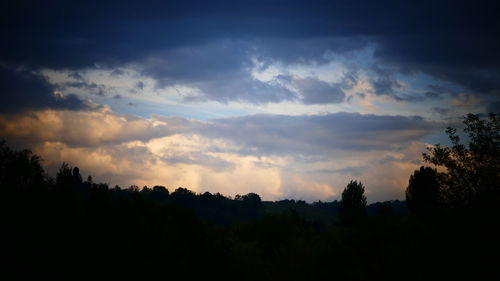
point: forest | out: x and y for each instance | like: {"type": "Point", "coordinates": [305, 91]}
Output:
{"type": "Point", "coordinates": [69, 227]}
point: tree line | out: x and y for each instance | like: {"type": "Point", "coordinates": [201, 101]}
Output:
{"type": "Point", "coordinates": [65, 227]}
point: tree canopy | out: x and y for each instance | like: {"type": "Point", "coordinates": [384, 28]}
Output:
{"type": "Point", "coordinates": [353, 203]}
{"type": "Point", "coordinates": [472, 169]}
{"type": "Point", "coordinates": [423, 194]}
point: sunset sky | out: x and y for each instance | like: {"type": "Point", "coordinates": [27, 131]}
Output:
{"type": "Point", "coordinates": [287, 99]}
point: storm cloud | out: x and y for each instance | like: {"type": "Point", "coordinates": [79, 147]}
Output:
{"type": "Point", "coordinates": [21, 89]}
{"type": "Point", "coordinates": [193, 41]}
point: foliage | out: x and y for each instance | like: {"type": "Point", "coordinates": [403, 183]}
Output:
{"type": "Point", "coordinates": [21, 169]}
{"type": "Point", "coordinates": [353, 203]}
{"type": "Point", "coordinates": [473, 170]}
{"type": "Point", "coordinates": [423, 194]}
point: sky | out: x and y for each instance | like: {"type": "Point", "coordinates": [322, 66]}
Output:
{"type": "Point", "coordinates": [287, 99]}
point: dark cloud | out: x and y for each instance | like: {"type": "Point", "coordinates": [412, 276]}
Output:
{"type": "Point", "coordinates": [89, 87]}
{"type": "Point", "coordinates": [23, 90]}
{"type": "Point", "coordinates": [441, 110]}
{"type": "Point", "coordinates": [494, 107]}
{"type": "Point", "coordinates": [450, 40]}
{"type": "Point", "coordinates": [439, 90]}
{"type": "Point", "coordinates": [117, 72]}
{"type": "Point", "coordinates": [245, 89]}
{"type": "Point", "coordinates": [385, 86]}
{"type": "Point", "coordinates": [82, 34]}
{"type": "Point", "coordinates": [436, 92]}
{"type": "Point", "coordinates": [221, 70]}
{"type": "Point", "coordinates": [482, 81]}
{"type": "Point", "coordinates": [315, 91]}
{"type": "Point", "coordinates": [352, 170]}
{"type": "Point", "coordinates": [432, 95]}
{"type": "Point", "coordinates": [384, 82]}
{"type": "Point", "coordinates": [76, 76]}
{"type": "Point", "coordinates": [456, 42]}
{"type": "Point", "coordinates": [140, 85]}
{"type": "Point", "coordinates": [305, 50]}
{"type": "Point", "coordinates": [316, 135]}
{"type": "Point", "coordinates": [218, 59]}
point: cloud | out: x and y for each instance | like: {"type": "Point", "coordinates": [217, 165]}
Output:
{"type": "Point", "coordinates": [494, 107]}
{"type": "Point", "coordinates": [83, 128]}
{"type": "Point", "coordinates": [85, 38]}
{"type": "Point", "coordinates": [220, 70]}
{"type": "Point", "coordinates": [316, 134]}
{"type": "Point", "coordinates": [466, 59]}
{"type": "Point", "coordinates": [441, 110]}
{"type": "Point", "coordinates": [313, 90]}
{"type": "Point", "coordinates": [294, 33]}
{"type": "Point", "coordinates": [91, 88]}
{"type": "Point", "coordinates": [301, 157]}
{"type": "Point", "coordinates": [183, 160]}
{"type": "Point", "coordinates": [147, 163]}
{"type": "Point", "coordinates": [306, 50]}
{"type": "Point", "coordinates": [310, 135]}
{"type": "Point", "coordinates": [432, 95]}
{"type": "Point", "coordinates": [23, 90]}
{"type": "Point", "coordinates": [242, 89]}
{"type": "Point", "coordinates": [211, 46]}
{"type": "Point", "coordinates": [385, 86]}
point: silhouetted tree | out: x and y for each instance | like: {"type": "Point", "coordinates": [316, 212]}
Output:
{"type": "Point", "coordinates": [64, 178]}
{"type": "Point", "coordinates": [251, 204]}
{"type": "Point", "coordinates": [251, 198]}
{"type": "Point", "coordinates": [77, 178]}
{"type": "Point", "coordinates": [473, 170]}
{"type": "Point", "coordinates": [423, 194]}
{"type": "Point", "coordinates": [20, 170]}
{"type": "Point", "coordinates": [133, 188]}
{"type": "Point", "coordinates": [353, 203]}
{"type": "Point", "coordinates": [158, 193]}
{"type": "Point", "coordinates": [183, 196]}
{"type": "Point", "coordinates": [88, 183]}
{"type": "Point", "coordinates": [160, 190]}
{"type": "Point", "coordinates": [181, 191]}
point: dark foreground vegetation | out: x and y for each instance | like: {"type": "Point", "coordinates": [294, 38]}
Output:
{"type": "Point", "coordinates": [67, 228]}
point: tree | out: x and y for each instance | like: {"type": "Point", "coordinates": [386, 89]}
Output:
{"type": "Point", "coordinates": [64, 177]}
{"type": "Point", "coordinates": [21, 171]}
{"type": "Point", "coordinates": [353, 203]}
{"type": "Point", "coordinates": [251, 203]}
{"type": "Point", "coordinates": [251, 198]}
{"type": "Point", "coordinates": [160, 190]}
{"type": "Point", "coordinates": [77, 178]}
{"type": "Point", "coordinates": [423, 194]}
{"type": "Point", "coordinates": [472, 171]}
